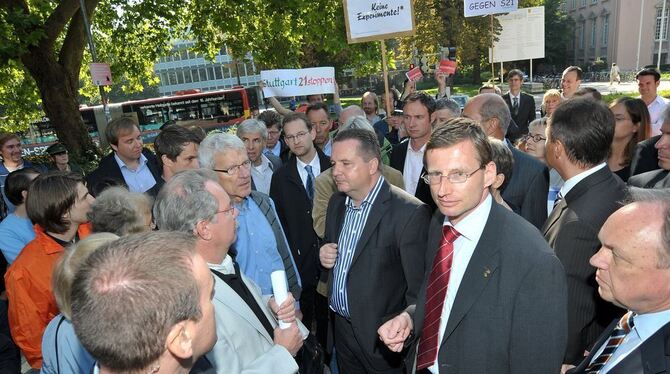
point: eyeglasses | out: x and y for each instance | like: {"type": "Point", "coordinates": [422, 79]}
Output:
{"type": "Point", "coordinates": [435, 178]}
{"type": "Point", "coordinates": [227, 212]}
{"type": "Point", "coordinates": [296, 137]}
{"type": "Point", "coordinates": [536, 138]}
{"type": "Point", "coordinates": [233, 170]}
{"type": "Point", "coordinates": [273, 133]}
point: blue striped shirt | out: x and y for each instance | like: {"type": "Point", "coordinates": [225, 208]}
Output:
{"type": "Point", "coordinates": [354, 223]}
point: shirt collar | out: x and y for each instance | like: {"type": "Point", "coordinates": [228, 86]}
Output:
{"type": "Point", "coordinates": [472, 225]}
{"type": "Point", "coordinates": [143, 160]}
{"type": "Point", "coordinates": [369, 198]}
{"type": "Point", "coordinates": [225, 267]}
{"type": "Point", "coordinates": [572, 182]}
{"type": "Point", "coordinates": [265, 163]}
{"type": "Point", "coordinates": [645, 325]}
{"type": "Point", "coordinates": [421, 150]}
{"type": "Point", "coordinates": [314, 163]}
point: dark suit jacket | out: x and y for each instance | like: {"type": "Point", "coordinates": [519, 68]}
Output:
{"type": "Point", "coordinates": [645, 157]}
{"type": "Point", "coordinates": [397, 161]}
{"type": "Point", "coordinates": [651, 357]}
{"type": "Point", "coordinates": [108, 174]}
{"type": "Point", "coordinates": [523, 117]}
{"type": "Point", "coordinates": [387, 268]}
{"type": "Point", "coordinates": [527, 190]}
{"type": "Point", "coordinates": [572, 230]}
{"type": "Point", "coordinates": [652, 179]}
{"type": "Point", "coordinates": [295, 213]}
{"type": "Point", "coordinates": [510, 311]}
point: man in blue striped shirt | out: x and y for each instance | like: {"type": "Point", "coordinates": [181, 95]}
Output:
{"type": "Point", "coordinates": [376, 235]}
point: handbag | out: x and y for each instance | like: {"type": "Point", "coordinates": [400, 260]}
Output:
{"type": "Point", "coordinates": [310, 357]}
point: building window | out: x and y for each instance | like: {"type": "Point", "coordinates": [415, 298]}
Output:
{"type": "Point", "coordinates": [217, 72]}
{"type": "Point", "coordinates": [583, 2]}
{"type": "Point", "coordinates": [187, 76]}
{"type": "Point", "coordinates": [194, 74]}
{"type": "Point", "coordinates": [581, 32]}
{"type": "Point", "coordinates": [594, 2]}
{"type": "Point", "coordinates": [172, 77]}
{"type": "Point", "coordinates": [606, 29]}
{"type": "Point", "coordinates": [593, 32]}
{"type": "Point", "coordinates": [658, 24]}
{"type": "Point", "coordinates": [574, 4]}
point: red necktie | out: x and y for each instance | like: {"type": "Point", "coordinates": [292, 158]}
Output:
{"type": "Point", "coordinates": [435, 293]}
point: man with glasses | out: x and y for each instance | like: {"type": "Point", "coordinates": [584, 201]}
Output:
{"type": "Point", "coordinates": [520, 104]}
{"type": "Point", "coordinates": [493, 298]}
{"type": "Point", "coordinates": [274, 145]}
{"type": "Point", "coordinates": [261, 246]}
{"type": "Point", "coordinates": [292, 189]}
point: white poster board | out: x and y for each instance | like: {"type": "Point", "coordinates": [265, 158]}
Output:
{"type": "Point", "coordinates": [474, 8]}
{"type": "Point", "coordinates": [298, 82]}
{"type": "Point", "coordinates": [378, 19]}
{"type": "Point", "coordinates": [101, 74]}
{"type": "Point", "coordinates": [522, 36]}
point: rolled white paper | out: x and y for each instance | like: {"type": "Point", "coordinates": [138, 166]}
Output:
{"type": "Point", "coordinates": [280, 290]}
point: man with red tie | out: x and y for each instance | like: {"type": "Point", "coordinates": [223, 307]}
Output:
{"type": "Point", "coordinates": [494, 297]}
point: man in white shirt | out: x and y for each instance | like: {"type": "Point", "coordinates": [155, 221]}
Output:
{"type": "Point", "coordinates": [648, 80]}
{"type": "Point", "coordinates": [492, 288]}
{"type": "Point", "coordinates": [254, 135]}
{"type": "Point", "coordinates": [633, 272]}
{"type": "Point", "coordinates": [570, 81]}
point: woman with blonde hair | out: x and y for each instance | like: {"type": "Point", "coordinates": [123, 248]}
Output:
{"type": "Point", "coordinates": [61, 350]}
{"type": "Point", "coordinates": [550, 102]}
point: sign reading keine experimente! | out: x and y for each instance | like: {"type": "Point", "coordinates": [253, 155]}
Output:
{"type": "Point", "coordinates": [298, 82]}
{"type": "Point", "coordinates": [378, 20]}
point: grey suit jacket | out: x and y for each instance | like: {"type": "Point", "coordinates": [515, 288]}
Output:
{"type": "Point", "coordinates": [510, 311]}
{"type": "Point", "coordinates": [527, 190]}
{"type": "Point", "coordinates": [652, 179]}
{"type": "Point", "coordinates": [572, 231]}
{"type": "Point", "coordinates": [243, 345]}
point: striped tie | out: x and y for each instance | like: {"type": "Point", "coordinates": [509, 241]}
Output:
{"type": "Point", "coordinates": [616, 338]}
{"type": "Point", "coordinates": [558, 199]}
{"type": "Point", "coordinates": [309, 183]}
{"type": "Point", "coordinates": [435, 293]}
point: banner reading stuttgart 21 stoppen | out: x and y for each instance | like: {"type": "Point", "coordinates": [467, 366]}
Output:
{"type": "Point", "coordinates": [298, 82]}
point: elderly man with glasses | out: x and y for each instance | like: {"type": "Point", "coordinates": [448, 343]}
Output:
{"type": "Point", "coordinates": [261, 245]}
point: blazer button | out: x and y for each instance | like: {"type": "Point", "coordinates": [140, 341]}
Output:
{"type": "Point", "coordinates": [309, 212]}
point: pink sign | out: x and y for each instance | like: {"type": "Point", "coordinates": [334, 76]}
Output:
{"type": "Point", "coordinates": [414, 74]}
{"type": "Point", "coordinates": [447, 67]}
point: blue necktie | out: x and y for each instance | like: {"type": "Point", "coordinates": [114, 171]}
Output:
{"type": "Point", "coordinates": [309, 184]}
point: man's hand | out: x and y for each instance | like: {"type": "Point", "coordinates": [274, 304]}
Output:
{"type": "Point", "coordinates": [328, 255]}
{"type": "Point", "coordinates": [441, 79]}
{"type": "Point", "coordinates": [410, 87]}
{"type": "Point", "coordinates": [289, 338]}
{"type": "Point", "coordinates": [395, 331]}
{"type": "Point", "coordinates": [286, 311]}
{"type": "Point", "coordinates": [566, 367]}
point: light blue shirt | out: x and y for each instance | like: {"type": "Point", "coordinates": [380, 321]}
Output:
{"type": "Point", "coordinates": [256, 245]}
{"type": "Point", "coordinates": [15, 233]}
{"type": "Point", "coordinates": [328, 147]}
{"type": "Point", "coordinates": [138, 180]}
{"type": "Point", "coordinates": [354, 223]}
{"type": "Point", "coordinates": [72, 357]}
{"type": "Point", "coordinates": [644, 326]}
{"type": "Point", "coordinates": [276, 150]}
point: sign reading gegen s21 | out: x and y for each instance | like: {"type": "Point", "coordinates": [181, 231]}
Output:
{"type": "Point", "coordinates": [474, 8]}
{"type": "Point", "coordinates": [298, 82]}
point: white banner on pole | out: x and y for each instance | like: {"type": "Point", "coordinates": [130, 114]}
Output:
{"type": "Point", "coordinates": [368, 20]}
{"type": "Point", "coordinates": [298, 82]}
{"type": "Point", "coordinates": [522, 36]}
{"type": "Point", "coordinates": [474, 8]}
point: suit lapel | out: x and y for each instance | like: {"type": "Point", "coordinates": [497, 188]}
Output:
{"type": "Point", "coordinates": [554, 216]}
{"type": "Point", "coordinates": [601, 340]}
{"type": "Point", "coordinates": [482, 266]}
{"type": "Point", "coordinates": [377, 211]}
{"type": "Point", "coordinates": [293, 176]}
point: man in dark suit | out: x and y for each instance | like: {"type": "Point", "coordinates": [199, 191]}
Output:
{"type": "Point", "coordinates": [645, 157]}
{"type": "Point", "coordinates": [527, 190]}
{"type": "Point", "coordinates": [657, 178]}
{"type": "Point", "coordinates": [376, 235]}
{"type": "Point", "coordinates": [407, 157]}
{"type": "Point", "coordinates": [520, 104]}
{"type": "Point", "coordinates": [292, 190]}
{"type": "Point", "coordinates": [634, 273]}
{"type": "Point", "coordinates": [494, 297]}
{"type": "Point", "coordinates": [129, 164]}
{"type": "Point", "coordinates": [579, 135]}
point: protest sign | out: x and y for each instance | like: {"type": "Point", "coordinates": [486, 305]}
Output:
{"type": "Point", "coordinates": [298, 82]}
{"type": "Point", "coordinates": [101, 74]}
{"type": "Point", "coordinates": [484, 7]}
{"type": "Point", "coordinates": [414, 74]}
{"type": "Point", "coordinates": [447, 67]}
{"type": "Point", "coordinates": [377, 20]}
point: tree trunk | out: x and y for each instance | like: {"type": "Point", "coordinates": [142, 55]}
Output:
{"type": "Point", "coordinates": [477, 69]}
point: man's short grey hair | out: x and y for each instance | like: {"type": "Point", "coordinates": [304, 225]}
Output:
{"type": "Point", "coordinates": [538, 122]}
{"type": "Point", "coordinates": [217, 143]}
{"type": "Point", "coordinates": [493, 106]}
{"type": "Point", "coordinates": [658, 197]}
{"type": "Point", "coordinates": [252, 126]}
{"type": "Point", "coordinates": [184, 201]}
{"type": "Point", "coordinates": [450, 105]}
{"type": "Point", "coordinates": [353, 110]}
{"type": "Point", "coordinates": [120, 211]}
{"type": "Point", "coordinates": [357, 122]}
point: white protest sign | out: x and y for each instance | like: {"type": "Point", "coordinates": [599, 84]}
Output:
{"type": "Point", "coordinates": [298, 82]}
{"type": "Point", "coordinates": [522, 36]}
{"type": "Point", "coordinates": [483, 7]}
{"type": "Point", "coordinates": [377, 20]}
{"type": "Point", "coordinates": [101, 74]}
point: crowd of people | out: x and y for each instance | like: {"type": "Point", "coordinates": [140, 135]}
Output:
{"type": "Point", "coordinates": [414, 236]}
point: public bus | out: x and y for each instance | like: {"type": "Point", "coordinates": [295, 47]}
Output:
{"type": "Point", "coordinates": [209, 110]}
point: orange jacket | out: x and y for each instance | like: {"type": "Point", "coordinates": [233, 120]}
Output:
{"type": "Point", "coordinates": [31, 301]}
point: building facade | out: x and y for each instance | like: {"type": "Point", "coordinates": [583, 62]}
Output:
{"type": "Point", "coordinates": [626, 32]}
{"type": "Point", "coordinates": [184, 69]}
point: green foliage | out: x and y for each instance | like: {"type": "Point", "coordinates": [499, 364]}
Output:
{"type": "Point", "coordinates": [19, 98]}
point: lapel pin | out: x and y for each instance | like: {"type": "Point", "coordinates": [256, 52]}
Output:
{"type": "Point", "coordinates": [487, 272]}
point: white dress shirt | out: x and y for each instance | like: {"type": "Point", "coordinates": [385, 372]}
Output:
{"type": "Point", "coordinates": [656, 109]}
{"type": "Point", "coordinates": [412, 169]}
{"type": "Point", "coordinates": [470, 228]}
{"type": "Point", "coordinates": [316, 169]}
{"type": "Point", "coordinates": [262, 175]}
{"type": "Point", "coordinates": [572, 182]}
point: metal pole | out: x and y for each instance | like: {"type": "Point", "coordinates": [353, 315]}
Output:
{"type": "Point", "coordinates": [94, 58]}
{"type": "Point", "coordinates": [387, 101]}
{"type": "Point", "coordinates": [660, 37]}
{"type": "Point", "coordinates": [493, 73]}
{"type": "Point", "coordinates": [531, 70]}
{"type": "Point", "coordinates": [639, 37]}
